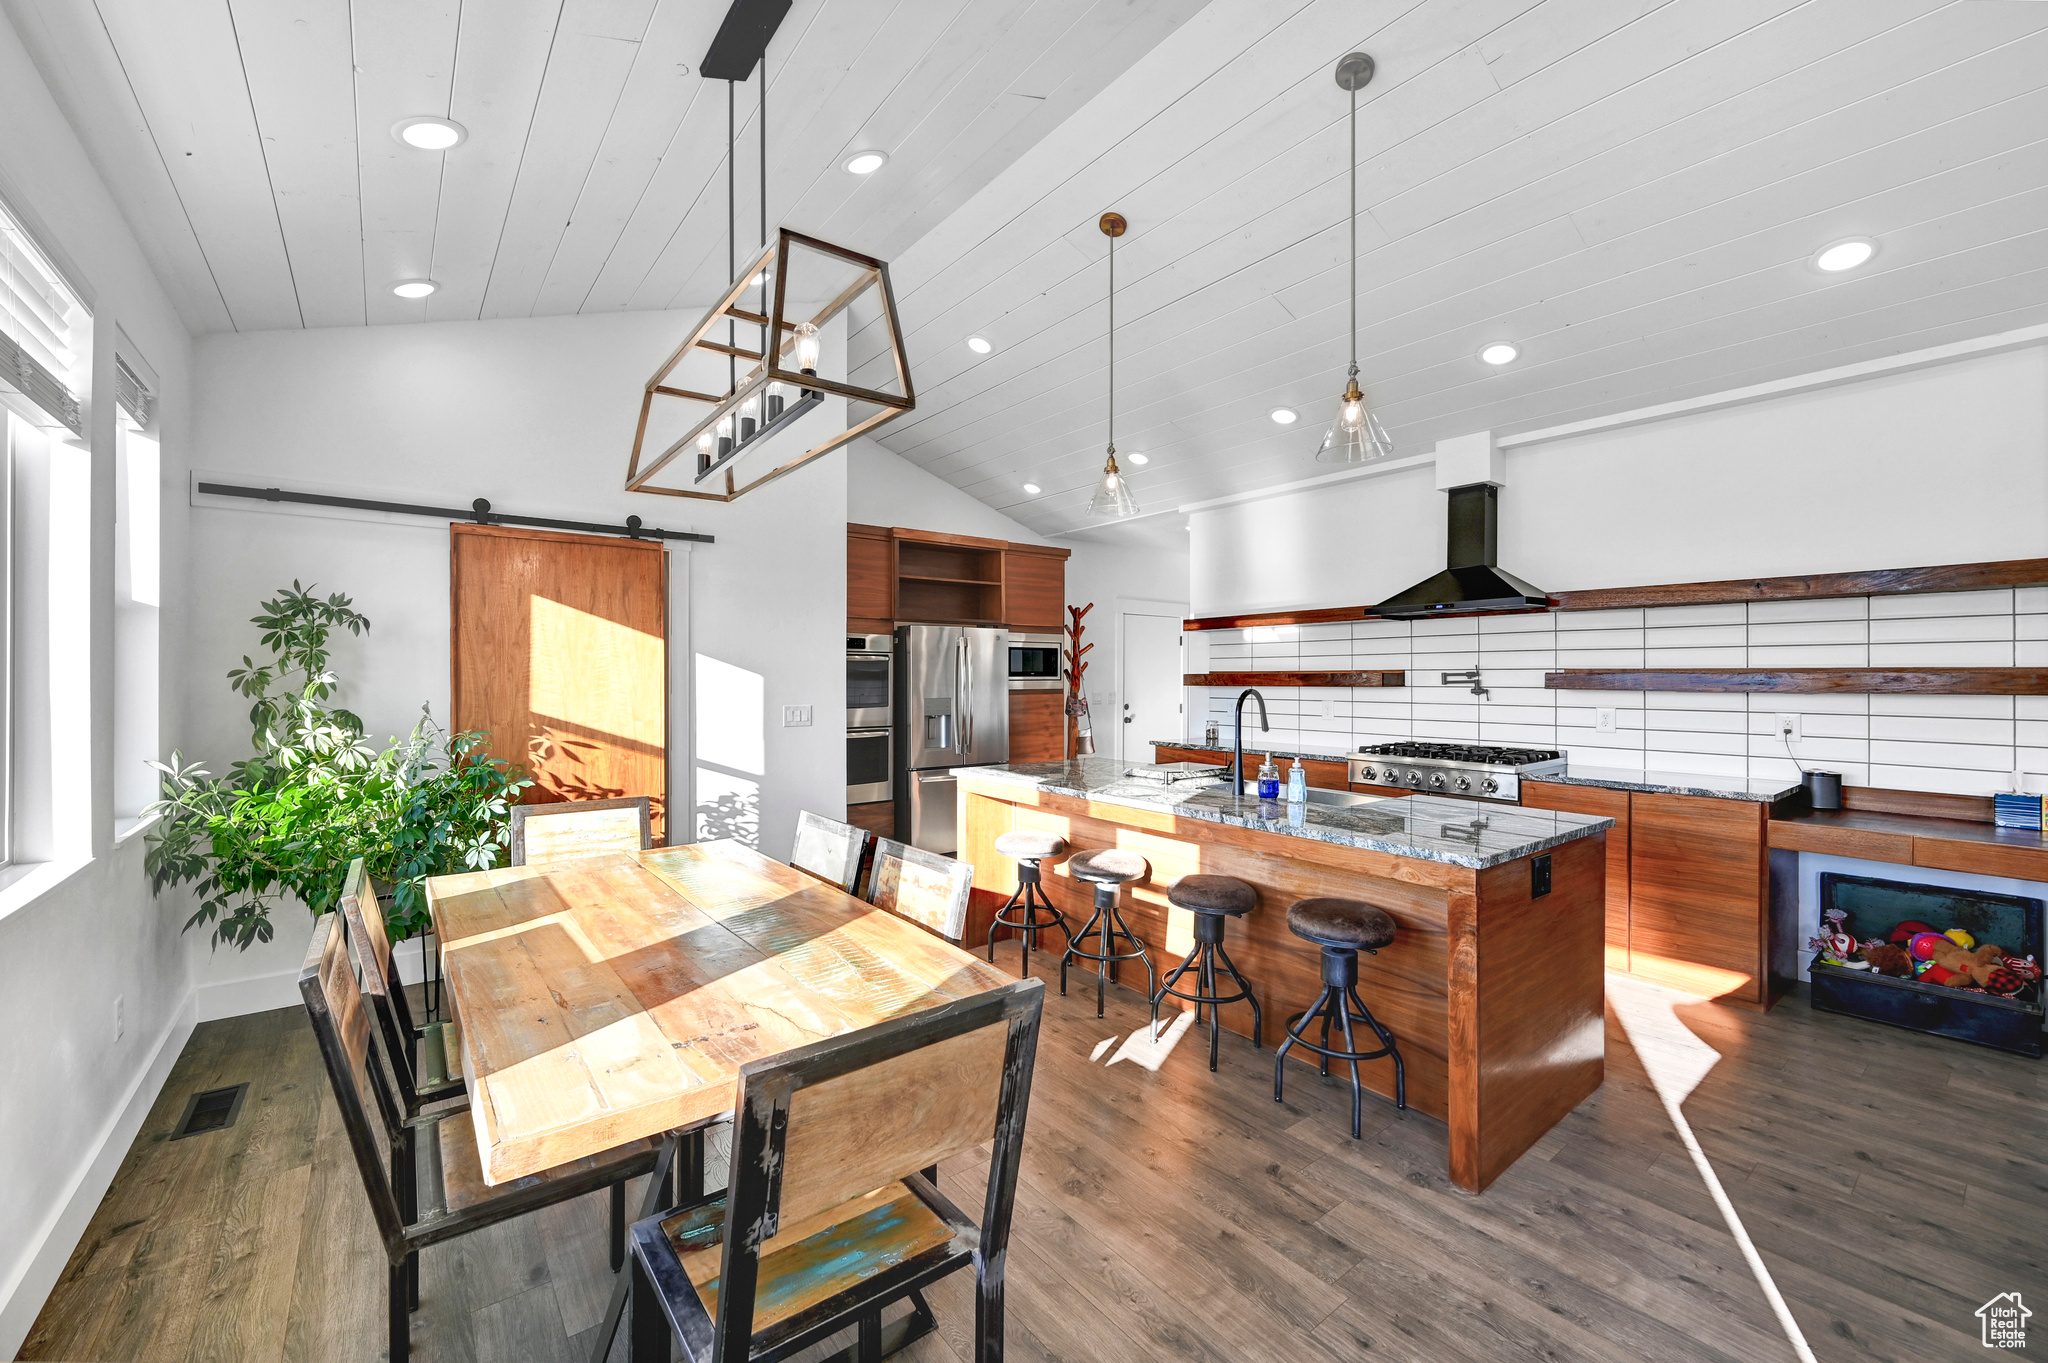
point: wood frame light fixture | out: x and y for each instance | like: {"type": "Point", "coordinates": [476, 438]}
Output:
{"type": "Point", "coordinates": [779, 367]}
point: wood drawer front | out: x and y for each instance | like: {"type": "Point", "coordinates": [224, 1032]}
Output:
{"type": "Point", "coordinates": [1321, 775]}
{"type": "Point", "coordinates": [1796, 836]}
{"type": "Point", "coordinates": [1038, 726]}
{"type": "Point", "coordinates": [1981, 858]}
{"type": "Point", "coordinates": [878, 818]}
{"type": "Point", "coordinates": [1165, 754]}
{"type": "Point", "coordinates": [1606, 804]}
{"type": "Point", "coordinates": [1698, 900]}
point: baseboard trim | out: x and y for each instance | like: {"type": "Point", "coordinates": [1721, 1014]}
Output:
{"type": "Point", "coordinates": [22, 1298]}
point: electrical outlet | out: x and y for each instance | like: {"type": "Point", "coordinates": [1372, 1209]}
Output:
{"type": "Point", "coordinates": [1788, 727]}
{"type": "Point", "coordinates": [796, 716]}
{"type": "Point", "coordinates": [120, 1016]}
{"type": "Point", "coordinates": [1603, 721]}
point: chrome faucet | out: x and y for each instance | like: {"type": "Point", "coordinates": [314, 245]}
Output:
{"type": "Point", "coordinates": [1236, 770]}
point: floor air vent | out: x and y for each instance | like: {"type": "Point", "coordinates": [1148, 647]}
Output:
{"type": "Point", "coordinates": [213, 1110]}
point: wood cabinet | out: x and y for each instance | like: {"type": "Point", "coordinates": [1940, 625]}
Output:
{"type": "Point", "coordinates": [927, 577]}
{"type": "Point", "coordinates": [1037, 726]}
{"type": "Point", "coordinates": [1609, 804]}
{"type": "Point", "coordinates": [1035, 588]}
{"type": "Point", "coordinates": [1322, 775]}
{"type": "Point", "coordinates": [878, 818]}
{"type": "Point", "coordinates": [1699, 895]}
{"type": "Point", "coordinates": [870, 580]}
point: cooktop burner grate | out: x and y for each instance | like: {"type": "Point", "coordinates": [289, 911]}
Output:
{"type": "Point", "coordinates": [1477, 753]}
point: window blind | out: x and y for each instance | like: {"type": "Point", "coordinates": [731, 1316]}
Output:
{"type": "Point", "coordinates": [133, 394]}
{"type": "Point", "coordinates": [38, 358]}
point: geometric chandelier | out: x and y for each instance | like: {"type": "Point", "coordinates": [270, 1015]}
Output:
{"type": "Point", "coordinates": [781, 388]}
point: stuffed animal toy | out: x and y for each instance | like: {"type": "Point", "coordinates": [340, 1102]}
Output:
{"type": "Point", "coordinates": [1905, 931]}
{"type": "Point", "coordinates": [1835, 943]}
{"type": "Point", "coordinates": [1887, 959]}
{"type": "Point", "coordinates": [1956, 967]}
{"type": "Point", "coordinates": [1961, 937]}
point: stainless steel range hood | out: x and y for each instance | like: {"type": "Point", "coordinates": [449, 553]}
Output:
{"type": "Point", "coordinates": [1473, 583]}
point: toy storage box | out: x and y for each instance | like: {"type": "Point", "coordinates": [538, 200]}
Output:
{"type": "Point", "coordinates": [1875, 906]}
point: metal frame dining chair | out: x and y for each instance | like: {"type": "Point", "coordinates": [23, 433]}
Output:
{"type": "Point", "coordinates": [408, 1046]}
{"type": "Point", "coordinates": [578, 828]}
{"type": "Point", "coordinates": [457, 1201]}
{"type": "Point", "coordinates": [836, 853]}
{"type": "Point", "coordinates": [922, 887]}
{"type": "Point", "coordinates": [815, 1232]}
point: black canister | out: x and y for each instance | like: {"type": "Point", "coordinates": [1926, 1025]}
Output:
{"type": "Point", "coordinates": [1825, 788]}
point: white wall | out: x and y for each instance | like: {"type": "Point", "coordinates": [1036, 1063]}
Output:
{"type": "Point", "coordinates": [1940, 465]}
{"type": "Point", "coordinates": [885, 489]}
{"type": "Point", "coordinates": [536, 416]}
{"type": "Point", "coordinates": [81, 937]}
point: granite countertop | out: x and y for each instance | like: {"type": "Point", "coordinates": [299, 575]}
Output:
{"type": "Point", "coordinates": [1425, 827]}
{"type": "Point", "coordinates": [1617, 778]}
{"type": "Point", "coordinates": [1676, 783]}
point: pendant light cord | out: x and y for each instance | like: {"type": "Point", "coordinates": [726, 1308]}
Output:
{"type": "Point", "coordinates": [765, 359]}
{"type": "Point", "coordinates": [1354, 232]}
{"type": "Point", "coordinates": [1112, 345]}
{"type": "Point", "coordinates": [732, 267]}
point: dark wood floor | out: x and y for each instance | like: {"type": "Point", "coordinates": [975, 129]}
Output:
{"type": "Point", "coordinates": [1892, 1183]}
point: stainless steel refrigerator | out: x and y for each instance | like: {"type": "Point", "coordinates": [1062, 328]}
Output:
{"type": "Point", "coordinates": [952, 710]}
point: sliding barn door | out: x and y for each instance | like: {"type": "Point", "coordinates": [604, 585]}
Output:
{"type": "Point", "coordinates": [559, 652]}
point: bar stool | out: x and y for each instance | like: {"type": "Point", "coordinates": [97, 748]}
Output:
{"type": "Point", "coordinates": [1342, 928]}
{"type": "Point", "coordinates": [1106, 868]}
{"type": "Point", "coordinates": [1212, 900]}
{"type": "Point", "coordinates": [1022, 911]}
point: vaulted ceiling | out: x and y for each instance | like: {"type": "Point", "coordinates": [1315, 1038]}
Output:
{"type": "Point", "coordinates": [1628, 190]}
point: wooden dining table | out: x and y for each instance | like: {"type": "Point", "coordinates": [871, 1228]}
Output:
{"type": "Point", "coordinates": [609, 998]}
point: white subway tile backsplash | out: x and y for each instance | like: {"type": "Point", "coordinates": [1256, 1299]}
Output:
{"type": "Point", "coordinates": [1719, 613]}
{"type": "Point", "coordinates": [1996, 601]}
{"type": "Point", "coordinates": [1832, 608]}
{"type": "Point", "coordinates": [1810, 632]}
{"type": "Point", "coordinates": [1942, 655]}
{"type": "Point", "coordinates": [1924, 629]}
{"type": "Point", "coordinates": [1967, 744]}
{"type": "Point", "coordinates": [1924, 729]}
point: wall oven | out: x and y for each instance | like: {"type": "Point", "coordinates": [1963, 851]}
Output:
{"type": "Point", "coordinates": [869, 658]}
{"type": "Point", "coordinates": [869, 778]}
{"type": "Point", "coordinates": [1035, 662]}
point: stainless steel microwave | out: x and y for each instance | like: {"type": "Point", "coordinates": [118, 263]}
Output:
{"type": "Point", "coordinates": [868, 670]}
{"type": "Point", "coordinates": [1035, 662]}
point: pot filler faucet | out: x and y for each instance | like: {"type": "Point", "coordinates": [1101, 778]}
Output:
{"type": "Point", "coordinates": [1236, 770]}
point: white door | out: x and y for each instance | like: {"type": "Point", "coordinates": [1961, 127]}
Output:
{"type": "Point", "coordinates": [1151, 684]}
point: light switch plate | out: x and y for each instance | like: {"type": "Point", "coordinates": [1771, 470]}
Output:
{"type": "Point", "coordinates": [796, 716]}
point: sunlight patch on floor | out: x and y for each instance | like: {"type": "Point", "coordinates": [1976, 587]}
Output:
{"type": "Point", "coordinates": [1149, 1049]}
{"type": "Point", "coordinates": [1676, 1061]}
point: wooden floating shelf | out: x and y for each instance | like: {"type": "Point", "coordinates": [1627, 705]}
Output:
{"type": "Point", "coordinates": [1955, 681]}
{"type": "Point", "coordinates": [1294, 679]}
{"type": "Point", "coordinates": [957, 581]}
{"type": "Point", "coordinates": [1952, 577]}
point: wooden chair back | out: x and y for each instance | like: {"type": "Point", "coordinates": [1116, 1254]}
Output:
{"type": "Point", "coordinates": [929, 890]}
{"type": "Point", "coordinates": [578, 828]}
{"type": "Point", "coordinates": [364, 918]}
{"type": "Point", "coordinates": [821, 1126]}
{"type": "Point", "coordinates": [834, 852]}
{"type": "Point", "coordinates": [341, 1027]}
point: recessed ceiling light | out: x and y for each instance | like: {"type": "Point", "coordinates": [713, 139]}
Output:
{"type": "Point", "coordinates": [1140, 458]}
{"type": "Point", "coordinates": [980, 345]}
{"type": "Point", "coordinates": [1838, 256]}
{"type": "Point", "coordinates": [1032, 488]}
{"type": "Point", "coordinates": [866, 162]}
{"type": "Point", "coordinates": [1500, 352]}
{"type": "Point", "coordinates": [1284, 416]}
{"type": "Point", "coordinates": [414, 288]}
{"type": "Point", "coordinates": [429, 134]}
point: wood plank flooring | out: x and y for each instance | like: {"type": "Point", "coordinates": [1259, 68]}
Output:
{"type": "Point", "coordinates": [1891, 1182]}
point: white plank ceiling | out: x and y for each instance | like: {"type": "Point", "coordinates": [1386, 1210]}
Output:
{"type": "Point", "coordinates": [1629, 190]}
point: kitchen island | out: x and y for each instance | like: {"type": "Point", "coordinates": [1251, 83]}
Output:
{"type": "Point", "coordinates": [1493, 986]}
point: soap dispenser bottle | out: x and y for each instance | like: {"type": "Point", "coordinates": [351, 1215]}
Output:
{"type": "Point", "coordinates": [1297, 783]}
{"type": "Point", "coordinates": [1269, 779]}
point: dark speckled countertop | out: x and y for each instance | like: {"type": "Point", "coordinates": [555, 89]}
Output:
{"type": "Point", "coordinates": [1426, 827]}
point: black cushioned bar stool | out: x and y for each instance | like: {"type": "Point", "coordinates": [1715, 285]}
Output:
{"type": "Point", "coordinates": [1106, 868]}
{"type": "Point", "coordinates": [1342, 928]}
{"type": "Point", "coordinates": [1213, 900]}
{"type": "Point", "coordinates": [1028, 910]}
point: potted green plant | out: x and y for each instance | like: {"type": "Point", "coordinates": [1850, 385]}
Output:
{"type": "Point", "coordinates": [314, 794]}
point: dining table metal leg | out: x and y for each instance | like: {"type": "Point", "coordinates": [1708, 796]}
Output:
{"type": "Point", "coordinates": [655, 1199]}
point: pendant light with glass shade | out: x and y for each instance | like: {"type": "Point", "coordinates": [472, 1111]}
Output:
{"type": "Point", "coordinates": [1113, 494]}
{"type": "Point", "coordinates": [1356, 436]}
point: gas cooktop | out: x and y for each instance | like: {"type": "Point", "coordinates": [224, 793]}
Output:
{"type": "Point", "coordinates": [1479, 771]}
